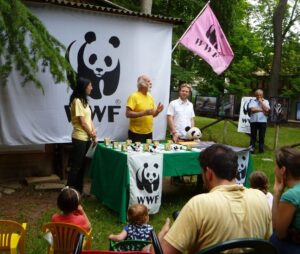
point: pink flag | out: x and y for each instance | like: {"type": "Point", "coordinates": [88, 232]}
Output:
{"type": "Point", "coordinates": [206, 38]}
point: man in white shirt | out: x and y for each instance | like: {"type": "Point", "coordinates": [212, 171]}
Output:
{"type": "Point", "coordinates": [258, 120]}
{"type": "Point", "coordinates": [180, 113]}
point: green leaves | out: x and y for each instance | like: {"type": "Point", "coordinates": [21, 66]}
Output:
{"type": "Point", "coordinates": [26, 44]}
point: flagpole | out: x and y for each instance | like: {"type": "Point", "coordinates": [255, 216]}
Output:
{"type": "Point", "coordinates": [191, 25]}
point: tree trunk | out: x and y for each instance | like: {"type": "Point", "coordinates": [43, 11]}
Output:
{"type": "Point", "coordinates": [146, 6]}
{"type": "Point", "coordinates": [278, 39]}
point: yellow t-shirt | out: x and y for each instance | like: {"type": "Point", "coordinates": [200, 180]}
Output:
{"type": "Point", "coordinates": [77, 110]}
{"type": "Point", "coordinates": [227, 212]}
{"type": "Point", "coordinates": [139, 102]}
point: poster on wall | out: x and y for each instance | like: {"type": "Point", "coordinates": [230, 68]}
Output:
{"type": "Point", "coordinates": [279, 109]}
{"type": "Point", "coordinates": [298, 110]}
{"type": "Point", "coordinates": [226, 105]}
{"type": "Point", "coordinates": [244, 117]}
{"type": "Point", "coordinates": [206, 105]}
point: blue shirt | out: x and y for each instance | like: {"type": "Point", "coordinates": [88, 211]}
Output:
{"type": "Point", "coordinates": [138, 232]}
{"type": "Point", "coordinates": [258, 117]}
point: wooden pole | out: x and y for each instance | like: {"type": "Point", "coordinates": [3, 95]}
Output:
{"type": "Point", "coordinates": [225, 131]}
{"type": "Point", "coordinates": [276, 136]}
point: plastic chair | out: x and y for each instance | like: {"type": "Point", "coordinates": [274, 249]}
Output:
{"type": "Point", "coordinates": [156, 243]}
{"type": "Point", "coordinates": [252, 245]}
{"type": "Point", "coordinates": [79, 244]}
{"type": "Point", "coordinates": [128, 245]}
{"type": "Point", "coordinates": [65, 237]}
{"type": "Point", "coordinates": [12, 236]}
{"type": "Point", "coordinates": [112, 252]}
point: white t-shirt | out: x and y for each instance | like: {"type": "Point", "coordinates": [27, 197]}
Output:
{"type": "Point", "coordinates": [270, 199]}
{"type": "Point", "coordinates": [183, 113]}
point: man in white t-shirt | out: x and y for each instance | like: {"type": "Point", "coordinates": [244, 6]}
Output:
{"type": "Point", "coordinates": [180, 113]}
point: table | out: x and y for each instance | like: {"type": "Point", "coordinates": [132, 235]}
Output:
{"type": "Point", "coordinates": [110, 177]}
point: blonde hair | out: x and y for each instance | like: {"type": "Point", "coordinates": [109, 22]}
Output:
{"type": "Point", "coordinates": [185, 85]}
{"type": "Point", "coordinates": [137, 214]}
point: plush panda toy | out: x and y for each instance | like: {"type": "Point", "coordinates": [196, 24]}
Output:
{"type": "Point", "coordinates": [193, 133]}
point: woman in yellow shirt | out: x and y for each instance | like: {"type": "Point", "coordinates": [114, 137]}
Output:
{"type": "Point", "coordinates": [84, 132]}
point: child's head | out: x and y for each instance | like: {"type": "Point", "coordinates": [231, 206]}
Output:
{"type": "Point", "coordinates": [138, 214]}
{"type": "Point", "coordinates": [259, 180]}
{"type": "Point", "coordinates": [68, 200]}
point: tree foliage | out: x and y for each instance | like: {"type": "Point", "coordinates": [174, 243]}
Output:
{"type": "Point", "coordinates": [276, 22]}
{"type": "Point", "coordinates": [26, 44]}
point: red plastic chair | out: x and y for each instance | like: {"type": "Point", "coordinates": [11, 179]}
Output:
{"type": "Point", "coordinates": [112, 252]}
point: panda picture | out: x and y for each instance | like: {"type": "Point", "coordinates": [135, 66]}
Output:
{"type": "Point", "coordinates": [96, 63]}
{"type": "Point", "coordinates": [148, 178]}
{"type": "Point", "coordinates": [242, 168]}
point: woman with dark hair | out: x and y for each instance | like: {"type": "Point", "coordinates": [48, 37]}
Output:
{"type": "Point", "coordinates": [84, 132]}
{"type": "Point", "coordinates": [286, 205]}
{"type": "Point", "coordinates": [68, 201]}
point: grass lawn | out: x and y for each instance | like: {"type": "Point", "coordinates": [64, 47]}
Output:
{"type": "Point", "coordinates": [105, 221]}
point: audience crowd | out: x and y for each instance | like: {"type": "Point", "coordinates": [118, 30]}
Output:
{"type": "Point", "coordinates": [226, 211]}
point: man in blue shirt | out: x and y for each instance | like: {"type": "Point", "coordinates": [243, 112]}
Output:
{"type": "Point", "coordinates": [259, 109]}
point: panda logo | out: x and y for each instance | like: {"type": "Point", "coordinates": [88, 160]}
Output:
{"type": "Point", "coordinates": [97, 64]}
{"type": "Point", "coordinates": [148, 178]}
{"type": "Point", "coordinates": [242, 169]}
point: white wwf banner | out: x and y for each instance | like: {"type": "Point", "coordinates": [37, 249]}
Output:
{"type": "Point", "coordinates": [243, 160]}
{"type": "Point", "coordinates": [244, 118]}
{"type": "Point", "coordinates": [145, 173]}
{"type": "Point", "coordinates": [110, 50]}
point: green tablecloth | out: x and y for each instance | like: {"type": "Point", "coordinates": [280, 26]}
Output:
{"type": "Point", "coordinates": [110, 176]}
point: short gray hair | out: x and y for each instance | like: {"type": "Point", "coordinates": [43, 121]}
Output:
{"type": "Point", "coordinates": [140, 81]}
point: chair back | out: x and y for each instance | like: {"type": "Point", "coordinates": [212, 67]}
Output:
{"type": "Point", "coordinates": [112, 252]}
{"type": "Point", "coordinates": [79, 244]}
{"type": "Point", "coordinates": [251, 245]}
{"type": "Point", "coordinates": [65, 237]}
{"type": "Point", "coordinates": [12, 236]}
{"type": "Point", "coordinates": [128, 245]}
{"type": "Point", "coordinates": [156, 243]}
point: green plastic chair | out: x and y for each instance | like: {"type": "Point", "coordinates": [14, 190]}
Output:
{"type": "Point", "coordinates": [128, 245]}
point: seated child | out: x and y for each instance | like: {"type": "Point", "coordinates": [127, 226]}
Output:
{"type": "Point", "coordinates": [259, 180]}
{"type": "Point", "coordinates": [137, 229]}
{"type": "Point", "coordinates": [68, 202]}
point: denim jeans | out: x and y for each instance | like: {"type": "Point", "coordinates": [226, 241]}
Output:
{"type": "Point", "coordinates": [284, 246]}
{"type": "Point", "coordinates": [78, 164]}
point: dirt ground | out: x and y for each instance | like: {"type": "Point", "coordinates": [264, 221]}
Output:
{"type": "Point", "coordinates": [26, 204]}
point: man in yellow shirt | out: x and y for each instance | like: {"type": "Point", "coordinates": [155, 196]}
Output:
{"type": "Point", "coordinates": [228, 211]}
{"type": "Point", "coordinates": [141, 109]}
